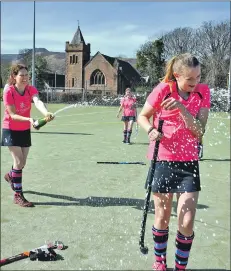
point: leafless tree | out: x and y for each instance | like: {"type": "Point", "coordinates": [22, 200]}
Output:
{"type": "Point", "coordinates": [213, 46]}
{"type": "Point", "coordinates": [178, 41]}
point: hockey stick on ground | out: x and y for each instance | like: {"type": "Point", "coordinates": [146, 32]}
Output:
{"type": "Point", "coordinates": [151, 171]}
{"type": "Point", "coordinates": [15, 258]}
{"type": "Point", "coordinates": [26, 254]}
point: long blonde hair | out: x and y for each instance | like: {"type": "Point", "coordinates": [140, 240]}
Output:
{"type": "Point", "coordinates": [177, 64]}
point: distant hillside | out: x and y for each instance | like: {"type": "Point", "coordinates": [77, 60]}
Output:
{"type": "Point", "coordinates": [56, 60]}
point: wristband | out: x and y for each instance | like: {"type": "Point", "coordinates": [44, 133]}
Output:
{"type": "Point", "coordinates": [150, 129]}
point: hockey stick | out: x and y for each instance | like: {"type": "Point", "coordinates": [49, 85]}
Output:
{"type": "Point", "coordinates": [151, 171]}
{"type": "Point", "coordinates": [137, 126]}
{"type": "Point", "coordinates": [15, 258]}
{"type": "Point", "coordinates": [123, 163]}
{"type": "Point", "coordinates": [26, 254]}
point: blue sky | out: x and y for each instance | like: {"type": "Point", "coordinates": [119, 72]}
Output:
{"type": "Point", "coordinates": [113, 28]}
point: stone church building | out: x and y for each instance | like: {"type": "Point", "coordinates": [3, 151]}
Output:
{"type": "Point", "coordinates": [99, 74]}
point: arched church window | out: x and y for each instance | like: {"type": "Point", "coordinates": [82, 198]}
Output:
{"type": "Point", "coordinates": [97, 78]}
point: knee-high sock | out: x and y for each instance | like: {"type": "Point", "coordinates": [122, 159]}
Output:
{"type": "Point", "coordinates": [183, 246]}
{"type": "Point", "coordinates": [129, 134]}
{"type": "Point", "coordinates": [160, 238]}
{"type": "Point", "coordinates": [17, 180]}
{"type": "Point", "coordinates": [125, 135]}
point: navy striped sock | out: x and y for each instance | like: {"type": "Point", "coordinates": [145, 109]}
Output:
{"type": "Point", "coordinates": [129, 134]}
{"type": "Point", "coordinates": [125, 135]}
{"type": "Point", "coordinates": [183, 246]}
{"type": "Point", "coordinates": [17, 180]}
{"type": "Point", "coordinates": [160, 238]}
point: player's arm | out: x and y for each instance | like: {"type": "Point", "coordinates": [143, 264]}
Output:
{"type": "Point", "coordinates": [120, 109]}
{"type": "Point", "coordinates": [41, 107]}
{"type": "Point", "coordinates": [144, 121]}
{"type": "Point", "coordinates": [195, 125]}
{"type": "Point", "coordinates": [134, 105]}
{"type": "Point", "coordinates": [144, 117]}
{"type": "Point", "coordinates": [202, 116]}
{"type": "Point", "coordinates": [12, 112]}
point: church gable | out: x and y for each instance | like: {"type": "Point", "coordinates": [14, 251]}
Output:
{"type": "Point", "coordinates": [100, 74]}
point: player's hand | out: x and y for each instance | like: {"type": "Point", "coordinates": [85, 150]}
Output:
{"type": "Point", "coordinates": [171, 103]}
{"type": "Point", "coordinates": [49, 116]}
{"type": "Point", "coordinates": [32, 122]}
{"type": "Point", "coordinates": [118, 115]}
{"type": "Point", "coordinates": [154, 135]}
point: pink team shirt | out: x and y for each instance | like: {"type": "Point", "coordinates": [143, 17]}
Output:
{"type": "Point", "coordinates": [127, 104]}
{"type": "Point", "coordinates": [22, 105]}
{"type": "Point", "coordinates": [177, 143]}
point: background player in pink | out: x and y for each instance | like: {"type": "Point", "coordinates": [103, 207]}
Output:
{"type": "Point", "coordinates": [128, 105]}
{"type": "Point", "coordinates": [184, 105]}
{"type": "Point", "coordinates": [16, 125]}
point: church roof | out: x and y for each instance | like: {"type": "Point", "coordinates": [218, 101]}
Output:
{"type": "Point", "coordinates": [126, 68]}
{"type": "Point", "coordinates": [78, 37]}
{"type": "Point", "coordinates": [110, 59]}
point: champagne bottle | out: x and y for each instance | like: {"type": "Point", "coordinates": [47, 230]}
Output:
{"type": "Point", "coordinates": [40, 123]}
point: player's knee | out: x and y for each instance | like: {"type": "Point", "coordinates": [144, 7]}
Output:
{"type": "Point", "coordinates": [186, 225]}
{"type": "Point", "coordinates": [19, 164]}
{"type": "Point", "coordinates": [162, 217]}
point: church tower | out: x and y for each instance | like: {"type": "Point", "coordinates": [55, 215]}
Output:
{"type": "Point", "coordinates": [77, 55]}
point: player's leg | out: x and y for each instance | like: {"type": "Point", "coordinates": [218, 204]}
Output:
{"type": "Point", "coordinates": [19, 156]}
{"type": "Point", "coordinates": [130, 125]}
{"type": "Point", "coordinates": [160, 230]}
{"type": "Point", "coordinates": [186, 211]}
{"type": "Point", "coordinates": [125, 130]}
{"type": "Point", "coordinates": [25, 151]}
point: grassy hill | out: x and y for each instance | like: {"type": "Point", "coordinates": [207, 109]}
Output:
{"type": "Point", "coordinates": [56, 60]}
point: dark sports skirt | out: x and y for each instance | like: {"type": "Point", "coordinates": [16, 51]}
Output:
{"type": "Point", "coordinates": [175, 177]}
{"type": "Point", "coordinates": [128, 118]}
{"type": "Point", "coordinates": [16, 138]}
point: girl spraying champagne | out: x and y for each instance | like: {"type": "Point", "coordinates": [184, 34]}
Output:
{"type": "Point", "coordinates": [16, 133]}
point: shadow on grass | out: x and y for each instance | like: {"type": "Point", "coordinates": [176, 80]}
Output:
{"type": "Point", "coordinates": [61, 133]}
{"type": "Point", "coordinates": [140, 143]}
{"type": "Point", "coordinates": [109, 201]}
{"type": "Point", "coordinates": [216, 160]}
{"type": "Point", "coordinates": [101, 201]}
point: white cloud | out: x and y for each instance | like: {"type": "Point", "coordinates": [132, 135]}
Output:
{"type": "Point", "coordinates": [122, 40]}
{"type": "Point", "coordinates": [129, 27]}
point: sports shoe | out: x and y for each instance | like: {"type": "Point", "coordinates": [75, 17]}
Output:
{"type": "Point", "coordinates": [159, 266]}
{"type": "Point", "coordinates": [128, 141]}
{"type": "Point", "coordinates": [9, 180]}
{"type": "Point", "coordinates": [21, 201]}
